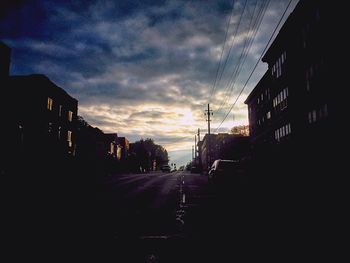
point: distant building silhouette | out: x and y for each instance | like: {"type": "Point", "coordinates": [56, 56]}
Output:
{"type": "Point", "coordinates": [292, 108]}
{"type": "Point", "coordinates": [224, 146]}
{"type": "Point", "coordinates": [110, 145]}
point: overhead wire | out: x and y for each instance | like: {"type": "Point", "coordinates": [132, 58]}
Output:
{"type": "Point", "coordinates": [222, 51]}
{"type": "Point", "coordinates": [237, 65]}
{"type": "Point", "coordinates": [256, 64]}
{"type": "Point", "coordinates": [229, 52]}
{"type": "Point", "coordinates": [232, 81]}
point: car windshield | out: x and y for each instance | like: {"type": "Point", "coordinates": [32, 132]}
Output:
{"type": "Point", "coordinates": [171, 130]}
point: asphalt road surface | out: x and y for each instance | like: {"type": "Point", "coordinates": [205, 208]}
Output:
{"type": "Point", "coordinates": [172, 216]}
{"type": "Point", "coordinates": [164, 217]}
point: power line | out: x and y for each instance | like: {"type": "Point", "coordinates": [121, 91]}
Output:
{"type": "Point", "coordinates": [238, 66]}
{"type": "Point", "coordinates": [244, 54]}
{"type": "Point", "coordinates": [222, 51]}
{"type": "Point", "coordinates": [229, 52]}
{"type": "Point", "coordinates": [256, 64]}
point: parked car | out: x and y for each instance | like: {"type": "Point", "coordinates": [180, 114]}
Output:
{"type": "Point", "coordinates": [224, 171]}
{"type": "Point", "coordinates": [194, 169]}
{"type": "Point", "coordinates": [165, 168]}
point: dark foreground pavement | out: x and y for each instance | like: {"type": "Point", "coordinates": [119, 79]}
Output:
{"type": "Point", "coordinates": [164, 217]}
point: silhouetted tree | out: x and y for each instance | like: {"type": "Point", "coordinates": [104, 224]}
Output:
{"type": "Point", "coordinates": [145, 152]}
{"type": "Point", "coordinates": [241, 130]}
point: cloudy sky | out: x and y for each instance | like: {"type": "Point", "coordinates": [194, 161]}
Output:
{"type": "Point", "coordinates": [146, 68]}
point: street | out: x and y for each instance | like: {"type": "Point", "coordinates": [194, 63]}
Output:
{"type": "Point", "coordinates": [164, 212]}
{"type": "Point", "coordinates": [172, 217]}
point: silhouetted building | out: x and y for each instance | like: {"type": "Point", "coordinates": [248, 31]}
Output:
{"type": "Point", "coordinates": [110, 145]}
{"type": "Point", "coordinates": [224, 146]}
{"type": "Point", "coordinates": [123, 148]}
{"type": "Point", "coordinates": [39, 119]}
{"type": "Point", "coordinates": [292, 108]}
{"type": "Point", "coordinates": [5, 56]}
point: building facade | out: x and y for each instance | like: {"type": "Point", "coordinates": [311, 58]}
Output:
{"type": "Point", "coordinates": [292, 109]}
{"type": "Point", "coordinates": [40, 120]}
{"type": "Point", "coordinates": [123, 148]}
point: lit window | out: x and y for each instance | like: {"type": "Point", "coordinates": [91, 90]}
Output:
{"type": "Point", "coordinates": [70, 115]}
{"type": "Point", "coordinates": [69, 138]}
{"type": "Point", "coordinates": [111, 148]}
{"type": "Point", "coordinates": [59, 133]}
{"type": "Point", "coordinates": [49, 103]}
{"type": "Point", "coordinates": [268, 115]}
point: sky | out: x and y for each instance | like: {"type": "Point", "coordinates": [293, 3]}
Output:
{"type": "Point", "coordinates": [146, 68]}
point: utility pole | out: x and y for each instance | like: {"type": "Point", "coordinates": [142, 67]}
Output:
{"type": "Point", "coordinates": [192, 153]}
{"type": "Point", "coordinates": [199, 152]}
{"type": "Point", "coordinates": [208, 112]}
{"type": "Point", "coordinates": [195, 149]}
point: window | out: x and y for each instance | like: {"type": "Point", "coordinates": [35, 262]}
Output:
{"type": "Point", "coordinates": [277, 67]}
{"type": "Point", "coordinates": [281, 99]}
{"type": "Point", "coordinates": [59, 133]}
{"type": "Point", "coordinates": [282, 132]}
{"type": "Point", "coordinates": [310, 117]}
{"type": "Point", "coordinates": [314, 116]}
{"type": "Point", "coordinates": [60, 111]}
{"type": "Point", "coordinates": [69, 138]}
{"type": "Point", "coordinates": [111, 148]}
{"type": "Point", "coordinates": [70, 115]}
{"type": "Point", "coordinates": [49, 103]}
{"type": "Point", "coordinates": [268, 115]}
{"type": "Point", "coordinates": [49, 127]}
{"type": "Point", "coordinates": [319, 114]}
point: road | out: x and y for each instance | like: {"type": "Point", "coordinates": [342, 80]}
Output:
{"type": "Point", "coordinates": [173, 217]}
{"type": "Point", "coordinates": [172, 214]}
